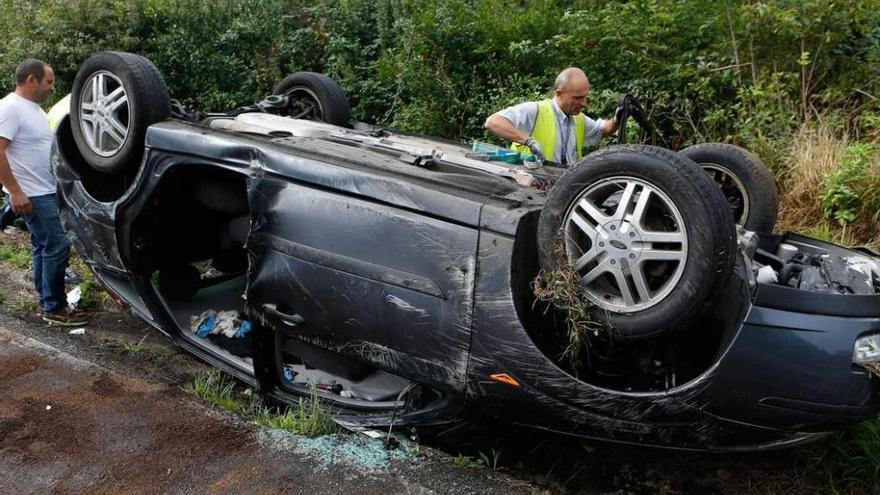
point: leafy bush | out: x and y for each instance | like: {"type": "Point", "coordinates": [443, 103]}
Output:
{"type": "Point", "coordinates": [751, 73]}
{"type": "Point", "coordinates": [852, 193]}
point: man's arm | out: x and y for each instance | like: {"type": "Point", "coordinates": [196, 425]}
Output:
{"type": "Point", "coordinates": [502, 127]}
{"type": "Point", "coordinates": [610, 127]}
{"type": "Point", "coordinates": [19, 201]}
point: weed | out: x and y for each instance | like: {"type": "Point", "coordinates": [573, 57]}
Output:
{"type": "Point", "coordinates": [309, 417]}
{"type": "Point", "coordinates": [853, 191]}
{"type": "Point", "coordinates": [563, 289]}
{"type": "Point", "coordinates": [851, 459]}
{"type": "Point", "coordinates": [25, 305]}
{"type": "Point", "coordinates": [468, 462]}
{"type": "Point", "coordinates": [92, 296]}
{"type": "Point", "coordinates": [19, 256]}
{"type": "Point", "coordinates": [491, 462]}
{"type": "Point", "coordinates": [217, 388]}
{"type": "Point", "coordinates": [134, 348]}
{"type": "Point", "coordinates": [2, 297]}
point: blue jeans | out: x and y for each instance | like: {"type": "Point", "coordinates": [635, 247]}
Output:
{"type": "Point", "coordinates": [51, 252]}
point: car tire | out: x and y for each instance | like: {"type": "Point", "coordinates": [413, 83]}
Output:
{"type": "Point", "coordinates": [746, 183]}
{"type": "Point", "coordinates": [330, 103]}
{"type": "Point", "coordinates": [109, 128]}
{"type": "Point", "coordinates": [675, 236]}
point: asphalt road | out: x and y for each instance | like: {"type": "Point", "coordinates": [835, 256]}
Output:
{"type": "Point", "coordinates": [69, 425]}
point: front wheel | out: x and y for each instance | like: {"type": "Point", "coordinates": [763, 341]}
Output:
{"type": "Point", "coordinates": [745, 182]}
{"type": "Point", "coordinates": [116, 96]}
{"type": "Point", "coordinates": [647, 234]}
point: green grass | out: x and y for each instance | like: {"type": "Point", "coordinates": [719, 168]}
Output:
{"type": "Point", "coordinates": [25, 306]}
{"type": "Point", "coordinates": [850, 460]}
{"type": "Point", "coordinates": [309, 417]}
{"type": "Point", "coordinates": [481, 461]}
{"type": "Point", "coordinates": [218, 389]}
{"type": "Point", "coordinates": [18, 256]}
{"type": "Point", "coordinates": [134, 348]}
{"type": "Point", "coordinates": [2, 298]}
{"type": "Point", "coordinates": [468, 462]}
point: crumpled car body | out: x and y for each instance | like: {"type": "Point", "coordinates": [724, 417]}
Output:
{"type": "Point", "coordinates": [400, 281]}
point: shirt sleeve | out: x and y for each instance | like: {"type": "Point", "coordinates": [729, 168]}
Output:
{"type": "Point", "coordinates": [8, 122]}
{"type": "Point", "coordinates": [523, 115]}
{"type": "Point", "coordinates": [593, 130]}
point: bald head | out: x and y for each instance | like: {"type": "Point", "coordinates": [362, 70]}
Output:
{"type": "Point", "coordinates": [572, 90]}
{"type": "Point", "coordinates": [571, 75]}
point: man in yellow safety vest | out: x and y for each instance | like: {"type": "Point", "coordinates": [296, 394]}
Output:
{"type": "Point", "coordinates": [555, 130]}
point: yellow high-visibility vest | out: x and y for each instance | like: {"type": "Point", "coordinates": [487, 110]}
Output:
{"type": "Point", "coordinates": [545, 132]}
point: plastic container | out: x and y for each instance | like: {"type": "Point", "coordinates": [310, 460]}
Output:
{"type": "Point", "coordinates": [479, 147]}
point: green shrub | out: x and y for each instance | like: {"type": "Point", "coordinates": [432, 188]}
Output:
{"type": "Point", "coordinates": [853, 191]}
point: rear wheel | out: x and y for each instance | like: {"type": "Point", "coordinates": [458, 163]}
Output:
{"type": "Point", "coordinates": [746, 183]}
{"type": "Point", "coordinates": [116, 97]}
{"type": "Point", "coordinates": [646, 233]}
{"type": "Point", "coordinates": [314, 96]}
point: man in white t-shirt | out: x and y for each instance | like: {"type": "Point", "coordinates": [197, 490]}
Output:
{"type": "Point", "coordinates": [26, 175]}
{"type": "Point", "coordinates": [555, 129]}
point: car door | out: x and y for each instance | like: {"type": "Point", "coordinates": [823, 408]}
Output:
{"type": "Point", "coordinates": [372, 281]}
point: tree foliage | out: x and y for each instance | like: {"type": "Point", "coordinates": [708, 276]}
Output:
{"type": "Point", "coordinates": [747, 72]}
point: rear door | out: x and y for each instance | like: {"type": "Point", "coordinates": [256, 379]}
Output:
{"type": "Point", "coordinates": [377, 283]}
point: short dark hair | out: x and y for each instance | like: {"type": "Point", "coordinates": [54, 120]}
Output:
{"type": "Point", "coordinates": [30, 67]}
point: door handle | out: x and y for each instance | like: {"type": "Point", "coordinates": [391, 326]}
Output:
{"type": "Point", "coordinates": [293, 320]}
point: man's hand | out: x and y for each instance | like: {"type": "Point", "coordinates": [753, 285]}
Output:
{"type": "Point", "coordinates": [20, 203]}
{"type": "Point", "coordinates": [535, 147]}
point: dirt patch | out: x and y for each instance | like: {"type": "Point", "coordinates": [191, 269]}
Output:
{"type": "Point", "coordinates": [107, 387]}
{"type": "Point", "coordinates": [15, 366]}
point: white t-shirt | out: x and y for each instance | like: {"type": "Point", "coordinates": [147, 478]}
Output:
{"type": "Point", "coordinates": [26, 126]}
{"type": "Point", "coordinates": [523, 117]}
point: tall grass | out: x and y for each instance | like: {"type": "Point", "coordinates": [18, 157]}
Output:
{"type": "Point", "coordinates": [850, 460]}
{"type": "Point", "coordinates": [830, 188]}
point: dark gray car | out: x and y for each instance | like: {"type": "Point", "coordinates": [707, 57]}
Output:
{"type": "Point", "coordinates": [393, 274]}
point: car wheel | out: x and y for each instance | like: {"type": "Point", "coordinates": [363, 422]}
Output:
{"type": "Point", "coordinates": [315, 97]}
{"type": "Point", "coordinates": [647, 234]}
{"type": "Point", "coordinates": [746, 183]}
{"type": "Point", "coordinates": [116, 96]}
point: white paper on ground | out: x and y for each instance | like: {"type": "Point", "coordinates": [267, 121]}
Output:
{"type": "Point", "coordinates": [73, 297]}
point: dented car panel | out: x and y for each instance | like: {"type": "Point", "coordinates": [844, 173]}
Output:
{"type": "Point", "coordinates": [424, 272]}
{"type": "Point", "coordinates": [352, 268]}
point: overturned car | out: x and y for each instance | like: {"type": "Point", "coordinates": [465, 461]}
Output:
{"type": "Point", "coordinates": [393, 274]}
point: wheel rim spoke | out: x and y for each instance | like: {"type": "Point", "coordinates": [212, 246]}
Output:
{"type": "Point", "coordinates": [667, 237]}
{"type": "Point", "coordinates": [592, 212]}
{"type": "Point", "coordinates": [641, 205]}
{"type": "Point", "coordinates": [661, 255]}
{"type": "Point", "coordinates": [625, 200]}
{"type": "Point", "coordinates": [641, 284]}
{"type": "Point", "coordinates": [116, 99]}
{"type": "Point", "coordinates": [116, 130]}
{"type": "Point", "coordinates": [585, 259]}
{"type": "Point", "coordinates": [583, 225]}
{"type": "Point", "coordinates": [601, 268]}
{"type": "Point", "coordinates": [623, 286]}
